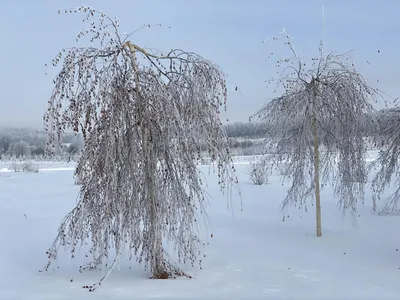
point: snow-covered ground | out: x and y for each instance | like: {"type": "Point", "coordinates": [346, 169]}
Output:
{"type": "Point", "coordinates": [6, 166]}
{"type": "Point", "coordinates": [252, 254]}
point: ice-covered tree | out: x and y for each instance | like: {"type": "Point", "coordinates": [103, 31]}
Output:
{"type": "Point", "coordinates": [387, 163]}
{"type": "Point", "coordinates": [322, 105]}
{"type": "Point", "coordinates": [144, 116]}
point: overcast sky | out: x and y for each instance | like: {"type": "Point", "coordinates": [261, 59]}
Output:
{"type": "Point", "coordinates": [229, 32]}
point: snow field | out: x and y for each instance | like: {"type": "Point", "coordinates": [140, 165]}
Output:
{"type": "Point", "coordinates": [251, 254]}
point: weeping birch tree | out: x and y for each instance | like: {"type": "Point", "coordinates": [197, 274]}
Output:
{"type": "Point", "coordinates": [144, 116]}
{"type": "Point", "coordinates": [387, 163]}
{"type": "Point", "coordinates": [316, 128]}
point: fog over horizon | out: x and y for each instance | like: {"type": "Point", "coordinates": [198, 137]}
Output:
{"type": "Point", "coordinates": [228, 32]}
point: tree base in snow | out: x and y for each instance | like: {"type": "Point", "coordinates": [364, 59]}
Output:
{"type": "Point", "coordinates": [170, 275]}
{"type": "Point", "coordinates": [161, 275]}
{"type": "Point", "coordinates": [168, 271]}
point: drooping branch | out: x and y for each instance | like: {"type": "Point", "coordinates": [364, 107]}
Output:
{"type": "Point", "coordinates": [387, 163]}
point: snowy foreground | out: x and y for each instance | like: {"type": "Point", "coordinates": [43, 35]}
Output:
{"type": "Point", "coordinates": [252, 254]}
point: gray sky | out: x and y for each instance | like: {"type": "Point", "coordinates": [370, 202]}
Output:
{"type": "Point", "coordinates": [229, 32]}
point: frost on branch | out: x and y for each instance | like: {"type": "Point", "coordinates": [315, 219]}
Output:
{"type": "Point", "coordinates": [144, 118]}
{"type": "Point", "coordinates": [317, 126]}
{"type": "Point", "coordinates": [387, 163]}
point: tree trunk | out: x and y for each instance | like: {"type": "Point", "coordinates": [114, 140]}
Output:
{"type": "Point", "coordinates": [154, 242]}
{"type": "Point", "coordinates": [316, 175]}
{"type": "Point", "coordinates": [157, 267]}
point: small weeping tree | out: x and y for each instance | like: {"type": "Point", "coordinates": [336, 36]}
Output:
{"type": "Point", "coordinates": [316, 128]}
{"type": "Point", "coordinates": [387, 163]}
{"type": "Point", "coordinates": [144, 117]}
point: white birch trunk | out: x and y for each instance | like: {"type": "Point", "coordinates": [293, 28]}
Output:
{"type": "Point", "coordinates": [316, 175]}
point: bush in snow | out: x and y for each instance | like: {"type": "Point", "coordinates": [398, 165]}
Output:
{"type": "Point", "coordinates": [258, 172]}
{"type": "Point", "coordinates": [29, 167]}
{"type": "Point", "coordinates": [16, 167]}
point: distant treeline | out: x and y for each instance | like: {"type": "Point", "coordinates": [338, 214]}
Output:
{"type": "Point", "coordinates": [16, 143]}
{"type": "Point", "coordinates": [21, 143]}
{"type": "Point", "coordinates": [246, 129]}
{"type": "Point", "coordinates": [255, 130]}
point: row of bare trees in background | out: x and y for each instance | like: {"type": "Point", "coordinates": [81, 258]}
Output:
{"type": "Point", "coordinates": [29, 143]}
{"type": "Point", "coordinates": [145, 117]}
{"type": "Point", "coordinates": [245, 139]}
